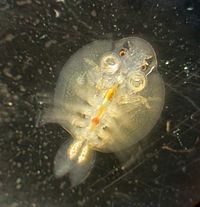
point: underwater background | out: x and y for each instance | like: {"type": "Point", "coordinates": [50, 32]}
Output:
{"type": "Point", "coordinates": [36, 39]}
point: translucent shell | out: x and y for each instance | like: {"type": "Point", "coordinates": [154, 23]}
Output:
{"type": "Point", "coordinates": [108, 97]}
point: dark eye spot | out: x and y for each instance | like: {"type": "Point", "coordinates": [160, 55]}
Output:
{"type": "Point", "coordinates": [149, 60]}
{"type": "Point", "coordinates": [122, 52]}
{"type": "Point", "coordinates": [144, 67]}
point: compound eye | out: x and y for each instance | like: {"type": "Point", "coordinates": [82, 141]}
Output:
{"type": "Point", "coordinates": [137, 81]}
{"type": "Point", "coordinates": [110, 63]}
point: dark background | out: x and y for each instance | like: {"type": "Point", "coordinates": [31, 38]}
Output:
{"type": "Point", "coordinates": [36, 39]}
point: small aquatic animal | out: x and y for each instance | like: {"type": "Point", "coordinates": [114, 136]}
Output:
{"type": "Point", "coordinates": [108, 96]}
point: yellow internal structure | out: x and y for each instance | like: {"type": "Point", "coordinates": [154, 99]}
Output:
{"type": "Point", "coordinates": [107, 97]}
{"type": "Point", "coordinates": [73, 149]}
{"type": "Point", "coordinates": [77, 150]}
{"type": "Point", "coordinates": [84, 154]}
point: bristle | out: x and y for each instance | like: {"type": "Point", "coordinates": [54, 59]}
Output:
{"type": "Point", "coordinates": [86, 96]}
{"type": "Point", "coordinates": [79, 108]}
